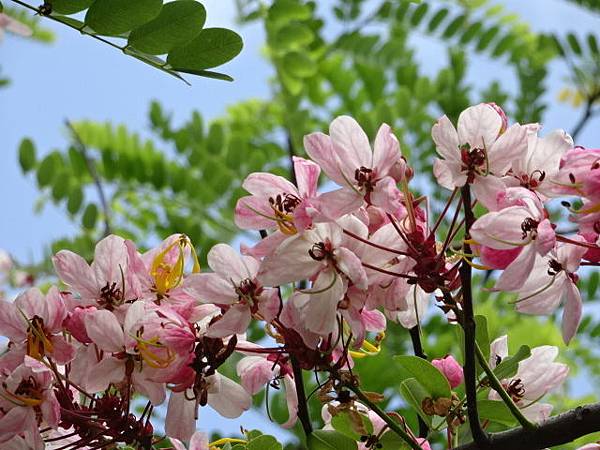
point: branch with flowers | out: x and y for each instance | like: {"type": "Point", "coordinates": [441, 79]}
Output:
{"type": "Point", "coordinates": [333, 271]}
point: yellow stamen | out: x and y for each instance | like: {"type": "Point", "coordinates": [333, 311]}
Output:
{"type": "Point", "coordinates": [223, 441]}
{"type": "Point", "coordinates": [167, 276]}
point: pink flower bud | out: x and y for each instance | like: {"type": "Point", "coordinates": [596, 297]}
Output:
{"type": "Point", "coordinates": [451, 369]}
{"type": "Point", "coordinates": [75, 324]}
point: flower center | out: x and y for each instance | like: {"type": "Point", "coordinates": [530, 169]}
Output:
{"type": "Point", "coordinates": [38, 341]}
{"type": "Point", "coordinates": [365, 178]}
{"type": "Point", "coordinates": [110, 296]}
{"type": "Point", "coordinates": [320, 251]}
{"type": "Point", "coordinates": [283, 205]}
{"type": "Point", "coordinates": [529, 225]}
{"type": "Point", "coordinates": [515, 389]}
{"type": "Point", "coordinates": [474, 160]}
{"type": "Point", "coordinates": [533, 180]}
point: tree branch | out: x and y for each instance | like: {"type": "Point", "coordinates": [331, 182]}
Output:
{"type": "Point", "coordinates": [89, 162]}
{"type": "Point", "coordinates": [415, 336]}
{"type": "Point", "coordinates": [561, 429]}
{"type": "Point", "coordinates": [588, 113]}
{"type": "Point", "coordinates": [468, 324]}
{"type": "Point", "coordinates": [301, 394]}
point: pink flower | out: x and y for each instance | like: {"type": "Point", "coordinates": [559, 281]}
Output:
{"type": "Point", "coordinates": [100, 284]}
{"type": "Point", "coordinates": [256, 372]}
{"type": "Point", "coordinates": [523, 225]}
{"type": "Point", "coordinates": [451, 369]}
{"type": "Point", "coordinates": [592, 446]}
{"type": "Point", "coordinates": [28, 403]}
{"type": "Point", "coordinates": [234, 286]}
{"type": "Point", "coordinates": [478, 151]}
{"type": "Point", "coordinates": [366, 175]}
{"type": "Point", "coordinates": [14, 26]}
{"type": "Point", "coordinates": [318, 254]}
{"type": "Point", "coordinates": [36, 321]}
{"type": "Point", "coordinates": [277, 202]}
{"type": "Point", "coordinates": [199, 441]}
{"type": "Point", "coordinates": [535, 377]}
{"type": "Point", "coordinates": [130, 350]}
{"type": "Point", "coordinates": [551, 280]}
{"type": "Point", "coordinates": [538, 166]}
{"type": "Point", "coordinates": [223, 394]}
{"type": "Point", "coordinates": [579, 174]}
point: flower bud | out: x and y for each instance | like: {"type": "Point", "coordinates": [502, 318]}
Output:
{"type": "Point", "coordinates": [451, 369]}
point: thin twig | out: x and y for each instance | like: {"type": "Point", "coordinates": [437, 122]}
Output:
{"type": "Point", "coordinates": [89, 162]}
{"type": "Point", "coordinates": [415, 336]}
{"type": "Point", "coordinates": [303, 414]}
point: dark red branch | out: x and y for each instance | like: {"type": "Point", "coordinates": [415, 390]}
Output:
{"type": "Point", "coordinates": [557, 430]}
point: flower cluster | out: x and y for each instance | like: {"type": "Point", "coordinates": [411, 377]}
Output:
{"type": "Point", "coordinates": [331, 270]}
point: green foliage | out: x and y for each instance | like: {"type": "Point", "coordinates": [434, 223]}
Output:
{"type": "Point", "coordinates": [27, 155]}
{"type": "Point", "coordinates": [432, 380]}
{"type": "Point", "coordinates": [115, 17]}
{"type": "Point", "coordinates": [353, 425]}
{"type": "Point", "coordinates": [330, 440]}
{"type": "Point", "coordinates": [178, 23]}
{"type": "Point", "coordinates": [70, 6]}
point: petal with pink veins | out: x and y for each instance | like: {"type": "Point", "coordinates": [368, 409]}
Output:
{"type": "Point", "coordinates": [351, 144]}
{"type": "Point", "coordinates": [104, 330]}
{"type": "Point", "coordinates": [386, 151]}
{"type": "Point", "coordinates": [479, 126]}
{"type": "Point", "coordinates": [319, 147]}
{"type": "Point", "coordinates": [180, 422]}
{"type": "Point", "coordinates": [210, 287]}
{"type": "Point", "coordinates": [572, 312]}
{"type": "Point", "coordinates": [446, 139]}
{"type": "Point", "coordinates": [235, 321]}
{"type": "Point", "coordinates": [307, 176]}
{"type": "Point", "coordinates": [228, 264]}
{"type": "Point", "coordinates": [74, 271]}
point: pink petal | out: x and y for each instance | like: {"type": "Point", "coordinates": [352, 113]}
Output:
{"type": "Point", "coordinates": [267, 185]}
{"type": "Point", "coordinates": [12, 323]}
{"type": "Point", "coordinates": [335, 204]}
{"type": "Point", "coordinates": [109, 370]}
{"type": "Point", "coordinates": [291, 398]}
{"type": "Point", "coordinates": [255, 373]}
{"type": "Point", "coordinates": [515, 275]}
{"type": "Point", "coordinates": [351, 143]}
{"type": "Point", "coordinates": [486, 190]}
{"type": "Point", "coordinates": [74, 271]}
{"type": "Point", "coordinates": [572, 312]}
{"type": "Point", "coordinates": [180, 422]}
{"type": "Point", "coordinates": [511, 145]}
{"type": "Point", "coordinates": [235, 321]}
{"type": "Point", "coordinates": [231, 400]}
{"type": "Point", "coordinates": [104, 330]}
{"type": "Point", "coordinates": [229, 264]}
{"type": "Point", "coordinates": [448, 173]}
{"type": "Point", "coordinates": [352, 267]}
{"type": "Point", "coordinates": [479, 126]}
{"type": "Point", "coordinates": [386, 195]}
{"type": "Point", "coordinates": [546, 237]}
{"type": "Point", "coordinates": [210, 287]}
{"type": "Point", "coordinates": [307, 176]}
{"type": "Point", "coordinates": [386, 151]}
{"type": "Point", "coordinates": [110, 260]}
{"type": "Point", "coordinates": [446, 139]}
{"type": "Point", "coordinates": [319, 147]}
{"type": "Point", "coordinates": [321, 310]}
{"type": "Point", "coordinates": [502, 229]}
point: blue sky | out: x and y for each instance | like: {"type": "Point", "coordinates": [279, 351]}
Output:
{"type": "Point", "coordinates": [79, 78]}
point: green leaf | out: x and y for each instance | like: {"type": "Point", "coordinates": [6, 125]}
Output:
{"type": "Point", "coordinates": [211, 48]}
{"type": "Point", "coordinates": [89, 217]}
{"type": "Point", "coordinates": [293, 36]}
{"type": "Point", "coordinates": [60, 186]}
{"type": "Point", "coordinates": [418, 14]}
{"type": "Point", "coordinates": [496, 411]}
{"type": "Point", "coordinates": [330, 440]}
{"type": "Point", "coordinates": [208, 74]}
{"type": "Point", "coordinates": [486, 38]}
{"type": "Point", "coordinates": [27, 155]}
{"type": "Point", "coordinates": [115, 17]}
{"type": "Point", "coordinates": [264, 442]}
{"type": "Point", "coordinates": [508, 367]}
{"type": "Point", "coordinates": [70, 6]}
{"type": "Point", "coordinates": [343, 423]}
{"type": "Point", "coordinates": [178, 23]}
{"type": "Point", "coordinates": [253, 434]}
{"type": "Point", "coordinates": [454, 26]}
{"type": "Point", "coordinates": [593, 44]}
{"type": "Point", "coordinates": [46, 170]}
{"type": "Point", "coordinates": [1, 7]}
{"type": "Point", "coordinates": [299, 65]}
{"type": "Point", "coordinates": [414, 393]}
{"type": "Point", "coordinates": [75, 200]}
{"type": "Point", "coordinates": [391, 441]}
{"type": "Point", "coordinates": [285, 11]}
{"type": "Point", "coordinates": [432, 380]}
{"type": "Point", "coordinates": [574, 43]}
{"type": "Point", "coordinates": [437, 18]}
